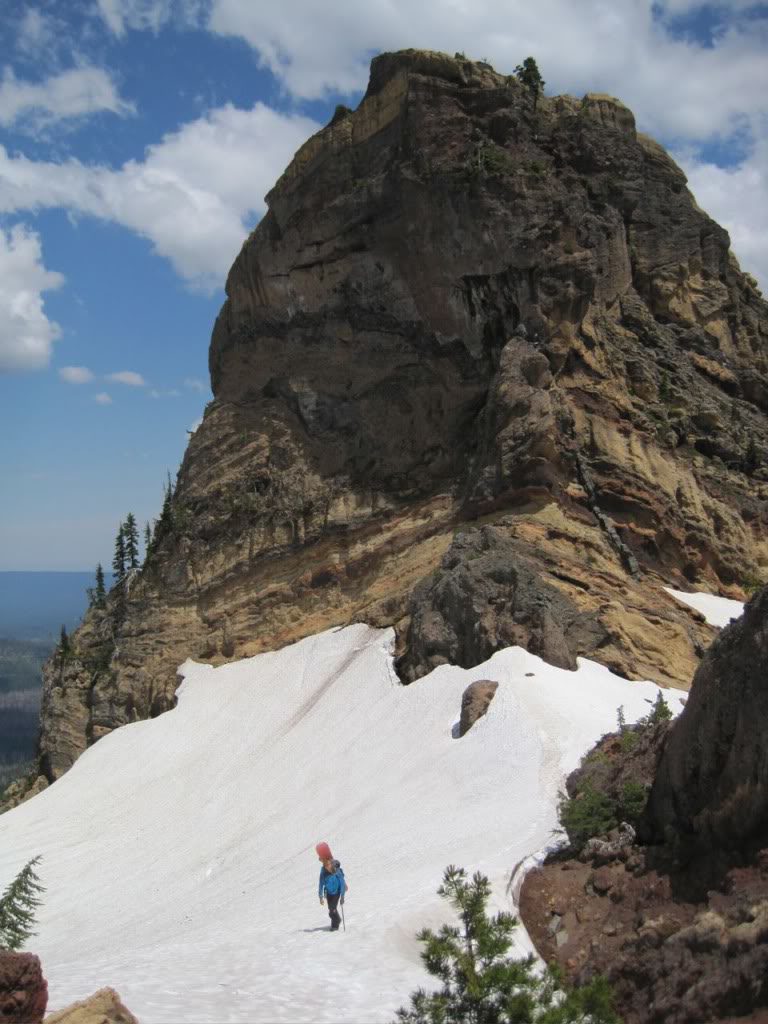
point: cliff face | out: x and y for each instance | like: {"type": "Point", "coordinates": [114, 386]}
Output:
{"type": "Point", "coordinates": [711, 787]}
{"type": "Point", "coordinates": [457, 311]}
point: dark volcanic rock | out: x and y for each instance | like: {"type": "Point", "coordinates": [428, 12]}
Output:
{"type": "Point", "coordinates": [23, 989]}
{"type": "Point", "coordinates": [475, 702]}
{"type": "Point", "coordinates": [484, 597]}
{"type": "Point", "coordinates": [711, 788]}
{"type": "Point", "coordinates": [455, 309]}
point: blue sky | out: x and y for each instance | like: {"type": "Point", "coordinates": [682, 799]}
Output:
{"type": "Point", "coordinates": [138, 138]}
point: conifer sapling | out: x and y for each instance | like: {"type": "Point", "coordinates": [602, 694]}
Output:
{"type": "Point", "coordinates": [131, 540]}
{"type": "Point", "coordinates": [17, 907]}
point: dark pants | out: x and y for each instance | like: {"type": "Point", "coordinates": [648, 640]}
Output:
{"type": "Point", "coordinates": [333, 902]}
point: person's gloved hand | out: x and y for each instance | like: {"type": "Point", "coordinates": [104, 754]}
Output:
{"type": "Point", "coordinates": [322, 901]}
{"type": "Point", "coordinates": [342, 901]}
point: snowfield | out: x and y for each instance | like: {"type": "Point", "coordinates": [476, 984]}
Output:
{"type": "Point", "coordinates": [718, 611]}
{"type": "Point", "coordinates": [178, 853]}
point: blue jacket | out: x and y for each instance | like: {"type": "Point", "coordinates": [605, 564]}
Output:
{"type": "Point", "coordinates": [332, 882]}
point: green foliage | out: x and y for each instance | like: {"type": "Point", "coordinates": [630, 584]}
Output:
{"type": "Point", "coordinates": [97, 595]}
{"type": "Point", "coordinates": [628, 740]}
{"type": "Point", "coordinates": [661, 711]}
{"type": "Point", "coordinates": [488, 160]}
{"type": "Point", "coordinates": [590, 813]}
{"type": "Point", "coordinates": [64, 649]}
{"type": "Point", "coordinates": [529, 75]}
{"type": "Point", "coordinates": [17, 907]}
{"type": "Point", "coordinates": [634, 797]}
{"type": "Point", "coordinates": [751, 582]}
{"type": "Point", "coordinates": [481, 983]}
{"type": "Point", "coordinates": [131, 537]}
{"type": "Point", "coordinates": [621, 721]}
{"type": "Point", "coordinates": [118, 559]}
{"type": "Point", "coordinates": [147, 540]}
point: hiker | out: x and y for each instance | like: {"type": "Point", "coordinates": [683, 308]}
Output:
{"type": "Point", "coordinates": [332, 884]}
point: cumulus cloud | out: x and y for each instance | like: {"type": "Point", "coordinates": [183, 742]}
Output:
{"type": "Point", "coordinates": [74, 93]}
{"type": "Point", "coordinates": [103, 398]}
{"type": "Point", "coordinates": [674, 86]}
{"type": "Point", "coordinates": [129, 377]}
{"type": "Point", "coordinates": [194, 195]}
{"type": "Point", "coordinates": [194, 384]}
{"type": "Point", "coordinates": [76, 374]}
{"type": "Point", "coordinates": [26, 333]}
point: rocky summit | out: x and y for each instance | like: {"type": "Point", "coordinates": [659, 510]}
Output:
{"type": "Point", "coordinates": [486, 373]}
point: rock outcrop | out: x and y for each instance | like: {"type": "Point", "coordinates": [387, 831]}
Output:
{"type": "Point", "coordinates": [23, 989]}
{"type": "Point", "coordinates": [475, 702]}
{"type": "Point", "coordinates": [458, 311]}
{"type": "Point", "coordinates": [103, 1007]}
{"type": "Point", "coordinates": [711, 787]}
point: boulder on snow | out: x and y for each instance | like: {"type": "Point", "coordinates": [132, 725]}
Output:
{"type": "Point", "coordinates": [475, 701]}
{"type": "Point", "coordinates": [103, 1007]}
{"type": "Point", "coordinates": [23, 989]}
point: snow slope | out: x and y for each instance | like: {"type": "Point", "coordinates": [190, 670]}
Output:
{"type": "Point", "coordinates": [718, 611]}
{"type": "Point", "coordinates": [178, 853]}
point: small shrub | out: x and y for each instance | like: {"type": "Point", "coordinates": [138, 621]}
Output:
{"type": "Point", "coordinates": [17, 907]}
{"type": "Point", "coordinates": [661, 711]}
{"type": "Point", "coordinates": [481, 983]}
{"type": "Point", "coordinates": [634, 797]}
{"type": "Point", "coordinates": [621, 721]}
{"type": "Point", "coordinates": [590, 813]}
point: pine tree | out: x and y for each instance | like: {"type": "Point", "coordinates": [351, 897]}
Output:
{"type": "Point", "coordinates": [164, 524]}
{"type": "Point", "coordinates": [481, 983]}
{"type": "Point", "coordinates": [147, 541]}
{"type": "Point", "coordinates": [131, 541]}
{"type": "Point", "coordinates": [17, 907]}
{"type": "Point", "coordinates": [65, 647]}
{"type": "Point", "coordinates": [528, 73]}
{"type": "Point", "coordinates": [118, 561]}
{"type": "Point", "coordinates": [100, 594]}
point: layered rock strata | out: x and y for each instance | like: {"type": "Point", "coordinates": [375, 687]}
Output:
{"type": "Point", "coordinates": [458, 312]}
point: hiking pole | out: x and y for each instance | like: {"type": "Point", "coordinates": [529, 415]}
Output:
{"type": "Point", "coordinates": [342, 917]}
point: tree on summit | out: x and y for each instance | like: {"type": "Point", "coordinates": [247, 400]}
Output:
{"type": "Point", "coordinates": [529, 75]}
{"type": "Point", "coordinates": [118, 561]}
{"type": "Point", "coordinates": [131, 538]}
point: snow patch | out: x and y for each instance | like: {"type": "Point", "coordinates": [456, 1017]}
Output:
{"type": "Point", "coordinates": [178, 853]}
{"type": "Point", "coordinates": [718, 611]}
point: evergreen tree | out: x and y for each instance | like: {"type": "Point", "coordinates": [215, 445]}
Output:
{"type": "Point", "coordinates": [131, 541]}
{"type": "Point", "coordinates": [64, 645]}
{"type": "Point", "coordinates": [118, 561]}
{"type": "Point", "coordinates": [165, 522]}
{"type": "Point", "coordinates": [17, 907]}
{"type": "Point", "coordinates": [528, 73]}
{"type": "Point", "coordinates": [147, 541]}
{"type": "Point", "coordinates": [100, 594]}
{"type": "Point", "coordinates": [481, 983]}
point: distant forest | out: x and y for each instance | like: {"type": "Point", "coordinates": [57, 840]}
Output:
{"type": "Point", "coordinates": [21, 663]}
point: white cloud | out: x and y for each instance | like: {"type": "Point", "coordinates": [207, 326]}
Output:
{"type": "Point", "coordinates": [194, 195]}
{"type": "Point", "coordinates": [195, 425]}
{"type": "Point", "coordinates": [194, 383]}
{"type": "Point", "coordinates": [76, 374]}
{"type": "Point", "coordinates": [129, 377]}
{"type": "Point", "coordinates": [73, 93]}
{"type": "Point", "coordinates": [103, 398]}
{"type": "Point", "coordinates": [26, 333]}
{"type": "Point", "coordinates": [151, 15]}
{"type": "Point", "coordinates": [673, 85]}
{"type": "Point", "coordinates": [736, 198]}
{"type": "Point", "coordinates": [169, 393]}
